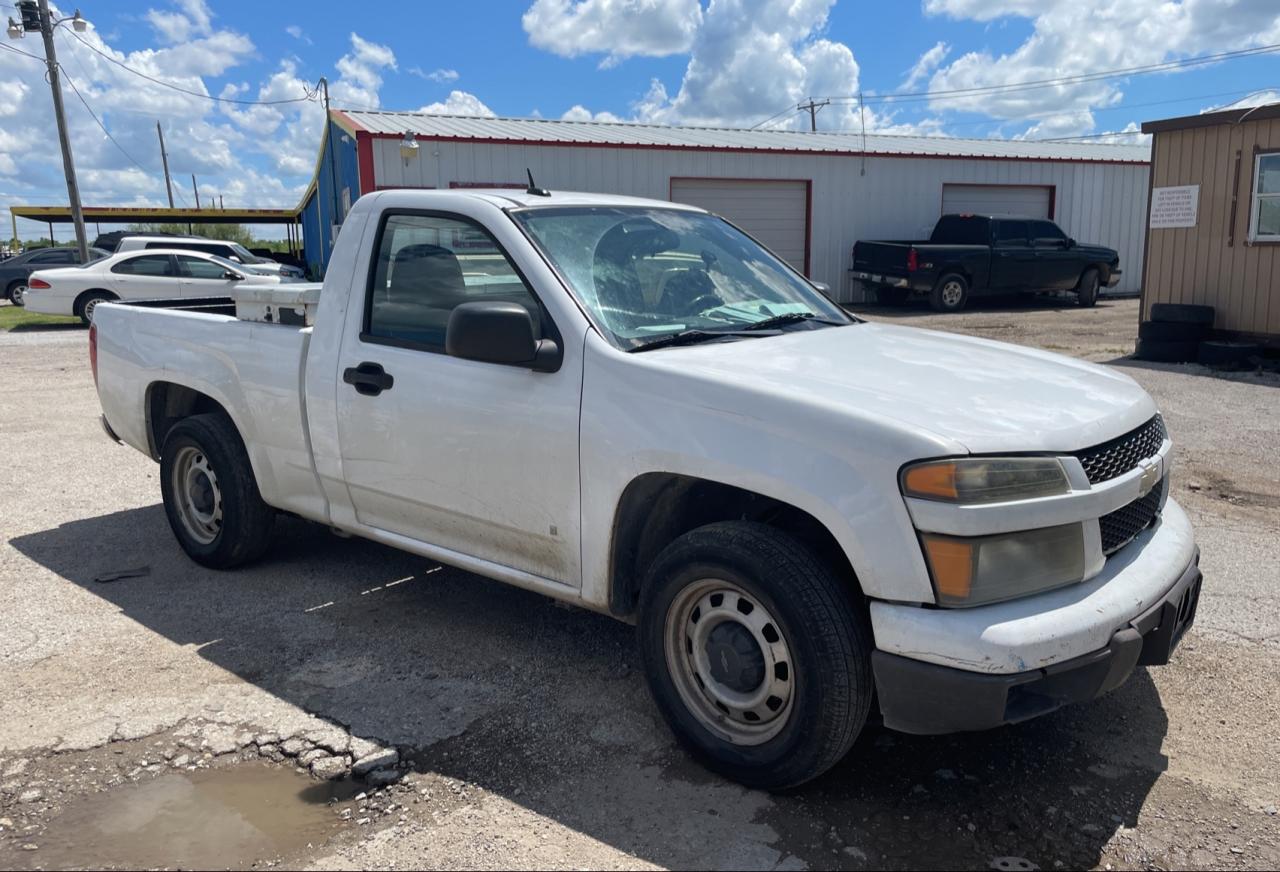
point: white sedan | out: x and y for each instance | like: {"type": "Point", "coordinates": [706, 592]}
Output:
{"type": "Point", "coordinates": [137, 275]}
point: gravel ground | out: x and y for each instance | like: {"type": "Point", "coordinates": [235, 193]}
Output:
{"type": "Point", "coordinates": [507, 731]}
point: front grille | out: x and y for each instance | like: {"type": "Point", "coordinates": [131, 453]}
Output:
{"type": "Point", "coordinates": [1111, 459]}
{"type": "Point", "coordinates": [1119, 527]}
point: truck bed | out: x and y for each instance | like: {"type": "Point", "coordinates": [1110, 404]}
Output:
{"type": "Point", "coordinates": [149, 351]}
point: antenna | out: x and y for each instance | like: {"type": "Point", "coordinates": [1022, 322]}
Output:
{"type": "Point", "coordinates": [534, 189]}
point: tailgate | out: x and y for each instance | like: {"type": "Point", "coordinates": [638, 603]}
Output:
{"type": "Point", "coordinates": [881, 257]}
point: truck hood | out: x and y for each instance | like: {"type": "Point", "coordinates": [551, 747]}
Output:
{"type": "Point", "coordinates": [987, 396]}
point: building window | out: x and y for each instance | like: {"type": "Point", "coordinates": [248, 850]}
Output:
{"type": "Point", "coordinates": [1264, 224]}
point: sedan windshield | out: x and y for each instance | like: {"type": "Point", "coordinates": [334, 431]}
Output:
{"type": "Point", "coordinates": [651, 273]}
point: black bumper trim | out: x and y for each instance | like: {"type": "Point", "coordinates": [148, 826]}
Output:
{"type": "Point", "coordinates": [111, 434]}
{"type": "Point", "coordinates": [927, 699]}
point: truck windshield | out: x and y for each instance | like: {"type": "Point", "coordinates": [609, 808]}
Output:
{"type": "Point", "coordinates": [648, 273]}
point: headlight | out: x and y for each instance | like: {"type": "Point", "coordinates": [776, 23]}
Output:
{"type": "Point", "coordinates": [985, 479]}
{"type": "Point", "coordinates": [986, 569]}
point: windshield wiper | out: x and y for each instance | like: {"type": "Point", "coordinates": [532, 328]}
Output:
{"type": "Point", "coordinates": [791, 318]}
{"type": "Point", "coordinates": [689, 337]}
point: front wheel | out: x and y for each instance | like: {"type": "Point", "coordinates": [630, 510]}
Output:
{"type": "Point", "coordinates": [950, 293]}
{"type": "Point", "coordinates": [18, 293]}
{"type": "Point", "coordinates": [210, 495]}
{"type": "Point", "coordinates": [1088, 289]}
{"type": "Point", "coordinates": [756, 653]}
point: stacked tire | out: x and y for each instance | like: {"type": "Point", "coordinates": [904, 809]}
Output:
{"type": "Point", "coordinates": [1178, 333]}
{"type": "Point", "coordinates": [1174, 333]}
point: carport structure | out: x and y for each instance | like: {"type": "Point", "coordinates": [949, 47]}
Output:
{"type": "Point", "coordinates": [99, 215]}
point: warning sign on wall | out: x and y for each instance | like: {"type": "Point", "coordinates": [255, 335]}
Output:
{"type": "Point", "coordinates": [1174, 207]}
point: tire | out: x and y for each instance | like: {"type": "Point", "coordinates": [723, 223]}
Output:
{"type": "Point", "coordinates": [1171, 331]}
{"type": "Point", "coordinates": [86, 302]}
{"type": "Point", "coordinates": [17, 292]}
{"type": "Point", "coordinates": [1168, 351]}
{"type": "Point", "coordinates": [815, 684]}
{"type": "Point", "coordinates": [210, 495]}
{"type": "Point", "coordinates": [950, 293]}
{"type": "Point", "coordinates": [1216, 352]}
{"type": "Point", "coordinates": [1182, 313]}
{"type": "Point", "coordinates": [1087, 289]}
{"type": "Point", "coordinates": [892, 296]}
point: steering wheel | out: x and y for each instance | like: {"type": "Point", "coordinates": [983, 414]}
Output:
{"type": "Point", "coordinates": [701, 304]}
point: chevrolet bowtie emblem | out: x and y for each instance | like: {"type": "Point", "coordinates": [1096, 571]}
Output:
{"type": "Point", "coordinates": [1150, 475]}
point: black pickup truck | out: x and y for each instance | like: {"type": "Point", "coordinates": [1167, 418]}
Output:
{"type": "Point", "coordinates": [981, 254]}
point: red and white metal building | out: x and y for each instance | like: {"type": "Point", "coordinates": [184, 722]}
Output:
{"type": "Point", "coordinates": [808, 196]}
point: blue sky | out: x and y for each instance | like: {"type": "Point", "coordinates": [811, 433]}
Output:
{"type": "Point", "coordinates": [730, 62]}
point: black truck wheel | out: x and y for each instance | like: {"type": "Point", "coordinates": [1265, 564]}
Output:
{"type": "Point", "coordinates": [210, 495]}
{"type": "Point", "coordinates": [1087, 289]}
{"type": "Point", "coordinates": [756, 653]}
{"type": "Point", "coordinates": [950, 293]}
{"type": "Point", "coordinates": [1182, 313]}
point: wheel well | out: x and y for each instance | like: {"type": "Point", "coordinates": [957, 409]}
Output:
{"type": "Point", "coordinates": [957, 270]}
{"type": "Point", "coordinates": [13, 284]}
{"type": "Point", "coordinates": [102, 292]}
{"type": "Point", "coordinates": [656, 508]}
{"type": "Point", "coordinates": [169, 403]}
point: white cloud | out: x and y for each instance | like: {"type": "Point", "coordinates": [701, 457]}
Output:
{"type": "Point", "coordinates": [361, 74]}
{"type": "Point", "coordinates": [1258, 98]}
{"type": "Point", "coordinates": [459, 103]}
{"type": "Point", "coordinates": [927, 63]}
{"type": "Point", "coordinates": [617, 29]}
{"type": "Point", "coordinates": [190, 18]}
{"type": "Point", "coordinates": [298, 33]}
{"type": "Point", "coordinates": [441, 75]}
{"type": "Point", "coordinates": [1088, 35]}
{"type": "Point", "coordinates": [578, 112]}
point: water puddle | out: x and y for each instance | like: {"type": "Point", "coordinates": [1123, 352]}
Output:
{"type": "Point", "coordinates": [211, 819]}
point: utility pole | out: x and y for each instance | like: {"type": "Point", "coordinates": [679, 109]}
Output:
{"type": "Point", "coordinates": [68, 164]}
{"type": "Point", "coordinates": [813, 112]}
{"type": "Point", "coordinates": [195, 190]}
{"type": "Point", "coordinates": [164, 159]}
{"type": "Point", "coordinates": [220, 204]}
{"type": "Point", "coordinates": [331, 155]}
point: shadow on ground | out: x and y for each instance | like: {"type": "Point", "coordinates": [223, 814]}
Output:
{"type": "Point", "coordinates": [1268, 375]}
{"type": "Point", "coordinates": [544, 706]}
{"type": "Point", "coordinates": [918, 307]}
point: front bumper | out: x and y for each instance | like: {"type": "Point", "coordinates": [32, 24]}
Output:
{"type": "Point", "coordinates": [1114, 278]}
{"type": "Point", "coordinates": [928, 699]}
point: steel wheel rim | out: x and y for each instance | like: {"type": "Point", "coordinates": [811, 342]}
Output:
{"type": "Point", "coordinates": [740, 715]}
{"type": "Point", "coordinates": [19, 293]}
{"type": "Point", "coordinates": [89, 306]}
{"type": "Point", "coordinates": [951, 293]}
{"type": "Point", "coordinates": [197, 494]}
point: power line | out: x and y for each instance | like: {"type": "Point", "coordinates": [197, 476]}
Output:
{"type": "Point", "coordinates": [21, 52]}
{"type": "Point", "coordinates": [308, 96]}
{"type": "Point", "coordinates": [98, 121]}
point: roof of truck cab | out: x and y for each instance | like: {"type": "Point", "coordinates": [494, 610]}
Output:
{"type": "Point", "coordinates": [507, 198]}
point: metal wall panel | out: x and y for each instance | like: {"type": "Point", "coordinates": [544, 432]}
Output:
{"type": "Point", "coordinates": [854, 197]}
{"type": "Point", "coordinates": [1215, 263]}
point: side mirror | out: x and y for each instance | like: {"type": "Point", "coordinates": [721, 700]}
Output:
{"type": "Point", "coordinates": [1070, 243]}
{"type": "Point", "coordinates": [496, 332]}
{"type": "Point", "coordinates": [232, 276]}
{"type": "Point", "coordinates": [822, 287]}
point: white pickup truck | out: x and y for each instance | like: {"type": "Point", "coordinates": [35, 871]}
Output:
{"type": "Point", "coordinates": [632, 406]}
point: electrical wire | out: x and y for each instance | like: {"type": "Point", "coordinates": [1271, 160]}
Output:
{"type": "Point", "coordinates": [21, 52]}
{"type": "Point", "coordinates": [67, 78]}
{"type": "Point", "coordinates": [309, 94]}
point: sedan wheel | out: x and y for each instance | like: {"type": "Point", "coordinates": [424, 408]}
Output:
{"type": "Point", "coordinates": [18, 294]}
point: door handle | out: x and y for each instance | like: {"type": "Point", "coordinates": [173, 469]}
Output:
{"type": "Point", "coordinates": [369, 379]}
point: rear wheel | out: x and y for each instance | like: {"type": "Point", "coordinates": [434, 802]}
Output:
{"type": "Point", "coordinates": [756, 653]}
{"type": "Point", "coordinates": [89, 301]}
{"type": "Point", "coordinates": [1087, 290]}
{"type": "Point", "coordinates": [17, 292]}
{"type": "Point", "coordinates": [950, 293]}
{"type": "Point", "coordinates": [210, 495]}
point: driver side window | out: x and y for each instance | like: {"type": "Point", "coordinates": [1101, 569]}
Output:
{"type": "Point", "coordinates": [427, 266]}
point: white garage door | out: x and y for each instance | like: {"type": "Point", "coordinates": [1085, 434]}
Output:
{"type": "Point", "coordinates": [774, 212]}
{"type": "Point", "coordinates": [1031, 201]}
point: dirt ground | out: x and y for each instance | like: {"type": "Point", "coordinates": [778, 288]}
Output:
{"type": "Point", "coordinates": [507, 731]}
